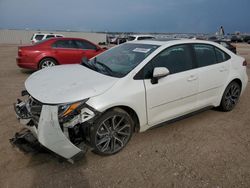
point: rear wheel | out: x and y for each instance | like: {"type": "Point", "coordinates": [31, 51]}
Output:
{"type": "Point", "coordinates": [111, 132]}
{"type": "Point", "coordinates": [47, 62]}
{"type": "Point", "coordinates": [230, 97]}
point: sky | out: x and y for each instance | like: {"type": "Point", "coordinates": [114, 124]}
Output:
{"type": "Point", "coordinates": [170, 16]}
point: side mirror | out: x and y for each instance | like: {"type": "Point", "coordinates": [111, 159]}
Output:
{"type": "Point", "coordinates": [159, 72]}
{"type": "Point", "coordinates": [85, 60]}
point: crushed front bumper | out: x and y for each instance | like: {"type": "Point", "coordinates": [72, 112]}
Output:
{"type": "Point", "coordinates": [47, 132]}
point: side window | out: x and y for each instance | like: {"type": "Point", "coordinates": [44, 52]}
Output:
{"type": "Point", "coordinates": [205, 55]}
{"type": "Point", "coordinates": [50, 36]}
{"type": "Point", "coordinates": [130, 38]}
{"type": "Point", "coordinates": [176, 59]}
{"type": "Point", "coordinates": [145, 38]}
{"type": "Point", "coordinates": [64, 44]}
{"type": "Point", "coordinates": [221, 56]}
{"type": "Point", "coordinates": [85, 45]}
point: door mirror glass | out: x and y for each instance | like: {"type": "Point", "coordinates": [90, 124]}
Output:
{"type": "Point", "coordinates": [159, 72]}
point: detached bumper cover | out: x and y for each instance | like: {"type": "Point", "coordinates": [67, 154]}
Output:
{"type": "Point", "coordinates": [51, 136]}
{"type": "Point", "coordinates": [48, 131]}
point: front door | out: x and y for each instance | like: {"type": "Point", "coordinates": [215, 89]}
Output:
{"type": "Point", "coordinates": [175, 94]}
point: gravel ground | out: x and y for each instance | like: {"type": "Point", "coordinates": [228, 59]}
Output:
{"type": "Point", "coordinates": [210, 149]}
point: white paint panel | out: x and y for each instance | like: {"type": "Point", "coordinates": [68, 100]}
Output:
{"type": "Point", "coordinates": [51, 136]}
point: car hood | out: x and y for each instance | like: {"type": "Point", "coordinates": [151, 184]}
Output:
{"type": "Point", "coordinates": [67, 83]}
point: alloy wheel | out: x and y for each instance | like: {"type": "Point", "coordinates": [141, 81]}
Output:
{"type": "Point", "coordinates": [113, 134]}
{"type": "Point", "coordinates": [47, 63]}
{"type": "Point", "coordinates": [232, 96]}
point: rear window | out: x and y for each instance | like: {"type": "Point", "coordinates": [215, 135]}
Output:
{"type": "Point", "coordinates": [205, 55]}
{"type": "Point", "coordinates": [221, 56]}
{"type": "Point", "coordinates": [39, 37]}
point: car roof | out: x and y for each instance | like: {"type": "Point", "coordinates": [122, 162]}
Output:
{"type": "Point", "coordinates": [67, 38]}
{"type": "Point", "coordinates": [47, 34]}
{"type": "Point", "coordinates": [50, 40]}
{"type": "Point", "coordinates": [172, 42]}
{"type": "Point", "coordinates": [141, 36]}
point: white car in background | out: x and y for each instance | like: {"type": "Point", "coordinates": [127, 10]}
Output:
{"type": "Point", "coordinates": [36, 37]}
{"type": "Point", "coordinates": [140, 37]}
{"type": "Point", "coordinates": [133, 86]}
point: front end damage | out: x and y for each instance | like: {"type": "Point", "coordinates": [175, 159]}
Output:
{"type": "Point", "coordinates": [62, 129]}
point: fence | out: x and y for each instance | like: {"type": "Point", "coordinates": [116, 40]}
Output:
{"type": "Point", "coordinates": [24, 36]}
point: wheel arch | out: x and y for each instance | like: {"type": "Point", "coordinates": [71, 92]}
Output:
{"type": "Point", "coordinates": [235, 79]}
{"type": "Point", "coordinates": [238, 81]}
{"type": "Point", "coordinates": [132, 114]}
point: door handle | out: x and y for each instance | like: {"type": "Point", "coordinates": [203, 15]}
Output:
{"type": "Point", "coordinates": [192, 77]}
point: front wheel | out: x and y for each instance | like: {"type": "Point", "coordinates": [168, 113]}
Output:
{"type": "Point", "coordinates": [111, 132]}
{"type": "Point", "coordinates": [230, 97]}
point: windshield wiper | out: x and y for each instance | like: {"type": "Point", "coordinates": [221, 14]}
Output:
{"type": "Point", "coordinates": [85, 62]}
{"type": "Point", "coordinates": [107, 69]}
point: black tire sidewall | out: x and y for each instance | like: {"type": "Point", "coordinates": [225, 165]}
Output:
{"type": "Point", "coordinates": [223, 105]}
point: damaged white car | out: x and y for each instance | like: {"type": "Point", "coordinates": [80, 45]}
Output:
{"type": "Point", "coordinates": [134, 86]}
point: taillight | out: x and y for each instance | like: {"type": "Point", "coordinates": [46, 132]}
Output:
{"type": "Point", "coordinates": [20, 52]}
{"type": "Point", "coordinates": [244, 63]}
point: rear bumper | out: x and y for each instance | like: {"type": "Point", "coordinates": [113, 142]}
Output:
{"type": "Point", "coordinates": [244, 81]}
{"type": "Point", "coordinates": [25, 63]}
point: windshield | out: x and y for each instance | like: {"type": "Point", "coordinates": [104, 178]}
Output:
{"type": "Point", "coordinates": [119, 61]}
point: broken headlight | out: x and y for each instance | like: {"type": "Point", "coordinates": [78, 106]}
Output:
{"type": "Point", "coordinates": [69, 110]}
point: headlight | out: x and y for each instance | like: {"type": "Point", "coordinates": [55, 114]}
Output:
{"type": "Point", "coordinates": [67, 109]}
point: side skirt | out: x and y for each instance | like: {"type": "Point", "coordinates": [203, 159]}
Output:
{"type": "Point", "coordinates": [181, 117]}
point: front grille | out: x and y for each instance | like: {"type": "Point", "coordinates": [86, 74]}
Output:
{"type": "Point", "coordinates": [35, 109]}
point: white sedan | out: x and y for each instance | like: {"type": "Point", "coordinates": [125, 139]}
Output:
{"type": "Point", "coordinates": [131, 87]}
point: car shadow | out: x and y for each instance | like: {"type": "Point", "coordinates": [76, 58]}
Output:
{"type": "Point", "coordinates": [27, 71]}
{"type": "Point", "coordinates": [49, 171]}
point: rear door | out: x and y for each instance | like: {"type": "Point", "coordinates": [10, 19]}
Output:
{"type": "Point", "coordinates": [213, 67]}
{"type": "Point", "coordinates": [66, 52]}
{"type": "Point", "coordinates": [175, 94]}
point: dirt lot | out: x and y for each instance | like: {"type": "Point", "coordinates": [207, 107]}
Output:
{"type": "Point", "coordinates": [211, 149]}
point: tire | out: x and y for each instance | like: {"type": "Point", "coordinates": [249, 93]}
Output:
{"type": "Point", "coordinates": [111, 132]}
{"type": "Point", "coordinates": [47, 62]}
{"type": "Point", "coordinates": [230, 97]}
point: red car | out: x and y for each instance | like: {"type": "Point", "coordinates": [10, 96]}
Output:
{"type": "Point", "coordinates": [56, 51]}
